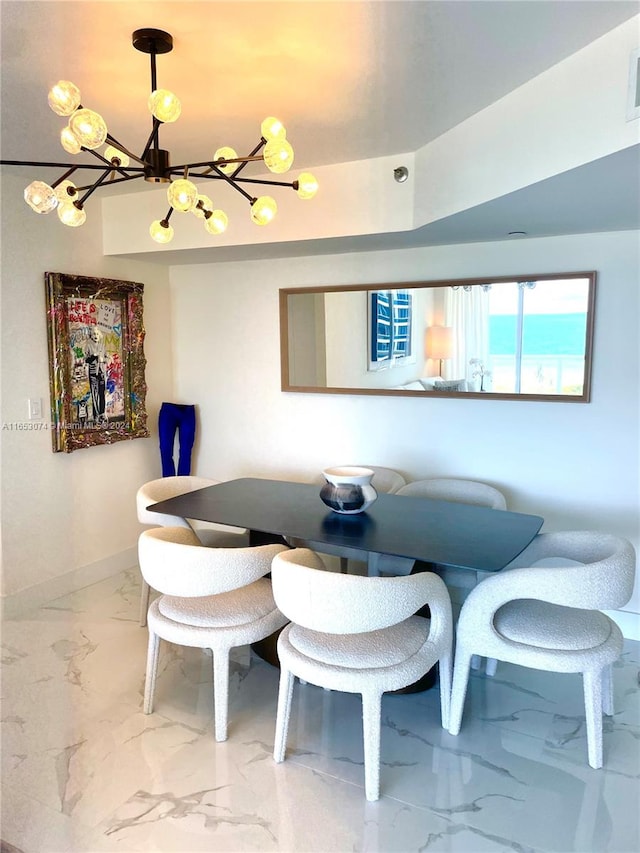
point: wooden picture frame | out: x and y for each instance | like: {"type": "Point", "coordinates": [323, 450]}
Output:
{"type": "Point", "coordinates": [97, 384]}
{"type": "Point", "coordinates": [563, 375]}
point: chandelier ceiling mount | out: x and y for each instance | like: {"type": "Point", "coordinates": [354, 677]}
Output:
{"type": "Point", "coordinates": [152, 42]}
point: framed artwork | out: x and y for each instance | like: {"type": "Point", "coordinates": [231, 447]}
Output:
{"type": "Point", "coordinates": [390, 328]}
{"type": "Point", "coordinates": [96, 361]}
{"type": "Point", "coordinates": [381, 328]}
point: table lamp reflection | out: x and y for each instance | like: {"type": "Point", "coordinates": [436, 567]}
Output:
{"type": "Point", "coordinates": [439, 343]}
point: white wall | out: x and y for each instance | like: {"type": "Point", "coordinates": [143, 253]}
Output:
{"type": "Point", "coordinates": [62, 512]}
{"type": "Point", "coordinates": [348, 324]}
{"type": "Point", "coordinates": [575, 464]}
{"type": "Point", "coordinates": [573, 113]}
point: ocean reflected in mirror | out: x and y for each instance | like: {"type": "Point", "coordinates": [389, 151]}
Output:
{"type": "Point", "coordinates": [522, 337]}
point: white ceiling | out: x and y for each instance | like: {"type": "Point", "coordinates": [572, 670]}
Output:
{"type": "Point", "coordinates": [350, 80]}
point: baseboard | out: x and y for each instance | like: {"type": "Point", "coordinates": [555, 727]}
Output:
{"type": "Point", "coordinates": [46, 591]}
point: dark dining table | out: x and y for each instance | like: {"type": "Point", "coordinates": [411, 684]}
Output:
{"type": "Point", "coordinates": [432, 531]}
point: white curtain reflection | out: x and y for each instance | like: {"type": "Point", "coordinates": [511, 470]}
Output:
{"type": "Point", "coordinates": [468, 312]}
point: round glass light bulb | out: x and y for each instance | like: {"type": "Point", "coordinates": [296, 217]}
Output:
{"type": "Point", "coordinates": [226, 153]}
{"type": "Point", "coordinates": [111, 154]}
{"type": "Point", "coordinates": [71, 215]}
{"type": "Point", "coordinates": [69, 141]}
{"type": "Point", "coordinates": [278, 156]}
{"type": "Point", "coordinates": [62, 192]}
{"type": "Point", "coordinates": [161, 233]}
{"type": "Point", "coordinates": [263, 210]}
{"type": "Point", "coordinates": [64, 98]}
{"type": "Point", "coordinates": [307, 185]}
{"type": "Point", "coordinates": [182, 195]}
{"type": "Point", "coordinates": [41, 197]}
{"type": "Point", "coordinates": [272, 128]}
{"type": "Point", "coordinates": [164, 105]}
{"type": "Point", "coordinates": [89, 128]}
{"type": "Point", "coordinates": [207, 204]}
{"type": "Point", "coordinates": [217, 222]}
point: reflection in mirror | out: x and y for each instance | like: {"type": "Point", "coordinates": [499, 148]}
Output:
{"type": "Point", "coordinates": [510, 338]}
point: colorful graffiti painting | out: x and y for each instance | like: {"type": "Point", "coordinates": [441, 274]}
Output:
{"type": "Point", "coordinates": [95, 344]}
{"type": "Point", "coordinates": [96, 358]}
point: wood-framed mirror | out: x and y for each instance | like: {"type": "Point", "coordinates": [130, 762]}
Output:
{"type": "Point", "coordinates": [521, 337]}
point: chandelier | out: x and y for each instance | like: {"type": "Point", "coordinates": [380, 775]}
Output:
{"type": "Point", "coordinates": [86, 131]}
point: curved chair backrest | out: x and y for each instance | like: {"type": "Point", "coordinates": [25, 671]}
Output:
{"type": "Point", "coordinates": [602, 580]}
{"type": "Point", "coordinates": [163, 489]}
{"type": "Point", "coordinates": [459, 491]}
{"type": "Point", "coordinates": [173, 561]}
{"type": "Point", "coordinates": [384, 480]}
{"type": "Point", "coordinates": [334, 603]}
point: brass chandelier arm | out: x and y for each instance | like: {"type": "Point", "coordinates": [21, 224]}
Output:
{"type": "Point", "coordinates": [250, 158]}
{"type": "Point", "coordinates": [140, 171]}
{"type": "Point", "coordinates": [80, 202]}
{"type": "Point", "coordinates": [64, 177]}
{"type": "Point", "coordinates": [267, 182]}
{"type": "Point", "coordinates": [124, 150]}
{"type": "Point", "coordinates": [153, 139]}
{"type": "Point", "coordinates": [211, 164]}
{"type": "Point", "coordinates": [262, 142]}
{"type": "Point", "coordinates": [231, 182]}
{"type": "Point", "coordinates": [116, 180]}
{"type": "Point", "coordinates": [73, 167]}
{"type": "Point", "coordinates": [112, 167]}
{"type": "Point", "coordinates": [49, 165]}
{"type": "Point", "coordinates": [245, 180]}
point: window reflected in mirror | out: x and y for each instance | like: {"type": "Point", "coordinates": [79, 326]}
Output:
{"type": "Point", "coordinates": [523, 337]}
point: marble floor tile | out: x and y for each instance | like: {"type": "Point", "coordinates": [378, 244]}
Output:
{"type": "Point", "coordinates": [84, 770]}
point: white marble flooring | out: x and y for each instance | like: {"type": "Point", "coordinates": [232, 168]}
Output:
{"type": "Point", "coordinates": [84, 770]}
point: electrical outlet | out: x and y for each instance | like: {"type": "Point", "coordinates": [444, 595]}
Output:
{"type": "Point", "coordinates": [35, 409]}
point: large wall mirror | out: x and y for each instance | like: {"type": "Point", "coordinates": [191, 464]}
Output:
{"type": "Point", "coordinates": [518, 337]}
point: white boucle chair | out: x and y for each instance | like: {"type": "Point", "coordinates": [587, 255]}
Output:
{"type": "Point", "coordinates": [212, 598]}
{"type": "Point", "coordinates": [385, 481]}
{"type": "Point", "coordinates": [358, 635]}
{"type": "Point", "coordinates": [457, 490]}
{"type": "Point", "coordinates": [212, 535]}
{"type": "Point", "coordinates": [548, 617]}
